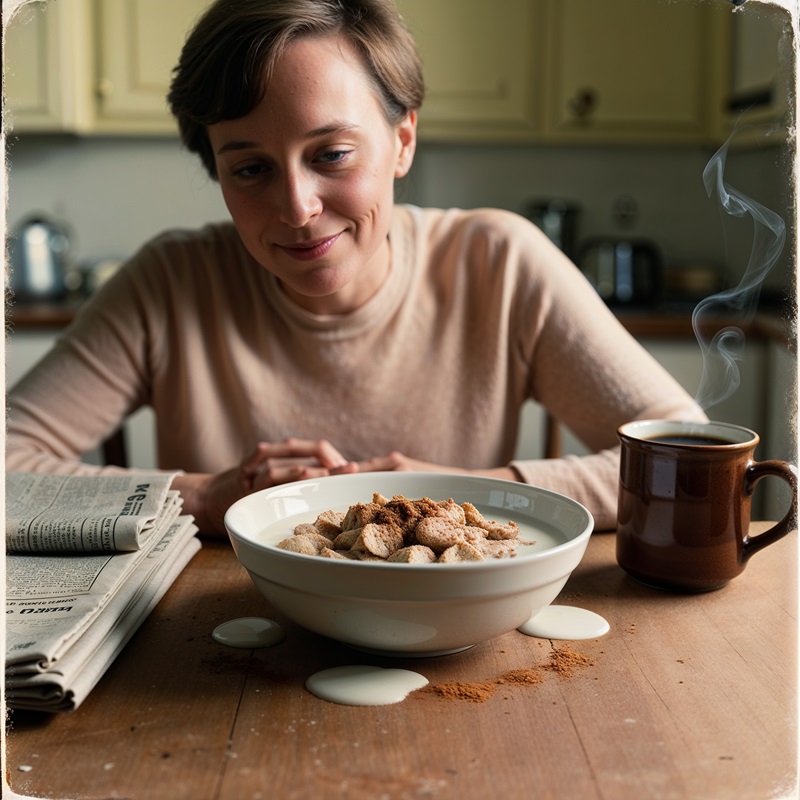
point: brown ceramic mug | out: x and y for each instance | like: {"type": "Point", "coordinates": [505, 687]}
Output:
{"type": "Point", "coordinates": [684, 502]}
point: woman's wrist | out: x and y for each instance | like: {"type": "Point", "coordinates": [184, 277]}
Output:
{"type": "Point", "coordinates": [193, 488]}
{"type": "Point", "coordinates": [501, 473]}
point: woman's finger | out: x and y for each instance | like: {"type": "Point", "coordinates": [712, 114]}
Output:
{"type": "Point", "coordinates": [380, 463]}
{"type": "Point", "coordinates": [255, 459]}
{"type": "Point", "coordinates": [278, 475]}
{"type": "Point", "coordinates": [320, 449]}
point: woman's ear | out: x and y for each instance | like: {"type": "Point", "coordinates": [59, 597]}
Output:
{"type": "Point", "coordinates": [406, 133]}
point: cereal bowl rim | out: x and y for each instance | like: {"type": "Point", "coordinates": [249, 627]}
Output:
{"type": "Point", "coordinates": [577, 540]}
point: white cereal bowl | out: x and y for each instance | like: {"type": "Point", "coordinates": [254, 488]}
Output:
{"type": "Point", "coordinates": [409, 609]}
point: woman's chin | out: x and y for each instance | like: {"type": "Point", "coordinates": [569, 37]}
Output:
{"type": "Point", "coordinates": [325, 296]}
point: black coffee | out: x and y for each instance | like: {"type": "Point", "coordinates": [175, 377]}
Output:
{"type": "Point", "coordinates": [688, 438]}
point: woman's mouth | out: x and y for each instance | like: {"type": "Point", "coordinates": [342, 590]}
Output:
{"type": "Point", "coordinates": [308, 251]}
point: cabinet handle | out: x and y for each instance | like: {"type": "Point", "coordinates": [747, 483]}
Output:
{"type": "Point", "coordinates": [104, 88]}
{"type": "Point", "coordinates": [583, 103]}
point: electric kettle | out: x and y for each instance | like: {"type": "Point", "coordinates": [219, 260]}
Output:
{"type": "Point", "coordinates": [39, 251]}
{"type": "Point", "coordinates": [625, 272]}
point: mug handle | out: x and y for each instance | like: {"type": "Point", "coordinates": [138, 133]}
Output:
{"type": "Point", "coordinates": [755, 472]}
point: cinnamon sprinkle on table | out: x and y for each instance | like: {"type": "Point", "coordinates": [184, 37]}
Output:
{"type": "Point", "coordinates": [463, 690]}
{"type": "Point", "coordinates": [521, 677]}
{"type": "Point", "coordinates": [563, 662]}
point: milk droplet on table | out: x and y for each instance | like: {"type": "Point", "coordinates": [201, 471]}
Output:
{"type": "Point", "coordinates": [248, 632]}
{"type": "Point", "coordinates": [364, 686]}
{"type": "Point", "coordinates": [565, 622]}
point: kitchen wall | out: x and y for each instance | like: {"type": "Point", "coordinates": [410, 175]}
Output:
{"type": "Point", "coordinates": [666, 185]}
{"type": "Point", "coordinates": [114, 193]}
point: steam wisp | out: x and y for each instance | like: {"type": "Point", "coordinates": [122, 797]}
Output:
{"type": "Point", "coordinates": [725, 349]}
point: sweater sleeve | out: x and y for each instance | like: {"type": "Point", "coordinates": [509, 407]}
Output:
{"type": "Point", "coordinates": [588, 372]}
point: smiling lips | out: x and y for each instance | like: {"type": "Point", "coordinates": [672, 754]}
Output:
{"type": "Point", "coordinates": [308, 251]}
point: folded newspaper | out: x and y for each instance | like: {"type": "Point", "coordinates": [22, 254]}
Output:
{"type": "Point", "coordinates": [84, 513]}
{"type": "Point", "coordinates": [89, 557]}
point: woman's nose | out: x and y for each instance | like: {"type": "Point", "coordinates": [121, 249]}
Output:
{"type": "Point", "coordinates": [299, 199]}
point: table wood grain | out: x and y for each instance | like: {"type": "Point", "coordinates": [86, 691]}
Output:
{"type": "Point", "coordinates": [686, 697]}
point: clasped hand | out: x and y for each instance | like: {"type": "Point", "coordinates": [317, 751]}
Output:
{"type": "Point", "coordinates": [208, 497]}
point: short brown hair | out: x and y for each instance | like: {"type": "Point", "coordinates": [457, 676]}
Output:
{"type": "Point", "coordinates": [228, 57]}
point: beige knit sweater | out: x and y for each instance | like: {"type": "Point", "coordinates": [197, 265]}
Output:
{"type": "Point", "coordinates": [479, 313]}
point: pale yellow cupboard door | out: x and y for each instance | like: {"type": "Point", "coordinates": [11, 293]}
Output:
{"type": "Point", "coordinates": [138, 45]}
{"type": "Point", "coordinates": [44, 79]}
{"type": "Point", "coordinates": [27, 70]}
{"type": "Point", "coordinates": [632, 70]}
{"type": "Point", "coordinates": [480, 62]}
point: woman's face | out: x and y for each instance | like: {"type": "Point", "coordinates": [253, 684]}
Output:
{"type": "Point", "coordinates": [308, 176]}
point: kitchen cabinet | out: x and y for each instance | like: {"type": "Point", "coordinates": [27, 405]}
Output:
{"type": "Point", "coordinates": [95, 66]}
{"type": "Point", "coordinates": [634, 71]}
{"type": "Point", "coordinates": [482, 67]}
{"type": "Point", "coordinates": [572, 71]}
{"type": "Point", "coordinates": [104, 66]}
{"type": "Point", "coordinates": [47, 67]}
{"type": "Point", "coordinates": [759, 83]}
{"type": "Point", "coordinates": [780, 432]}
{"type": "Point", "coordinates": [526, 71]}
{"type": "Point", "coordinates": [138, 44]}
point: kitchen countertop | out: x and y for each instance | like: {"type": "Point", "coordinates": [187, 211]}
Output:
{"type": "Point", "coordinates": [655, 323]}
{"type": "Point", "coordinates": [687, 696]}
{"type": "Point", "coordinates": [33, 316]}
{"type": "Point", "coordinates": [658, 324]}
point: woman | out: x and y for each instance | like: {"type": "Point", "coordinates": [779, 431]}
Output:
{"type": "Point", "coordinates": [327, 330]}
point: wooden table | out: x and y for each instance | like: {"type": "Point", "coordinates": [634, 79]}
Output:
{"type": "Point", "coordinates": [687, 697]}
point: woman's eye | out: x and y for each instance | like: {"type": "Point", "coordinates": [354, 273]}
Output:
{"type": "Point", "coordinates": [334, 156]}
{"type": "Point", "coordinates": [250, 171]}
